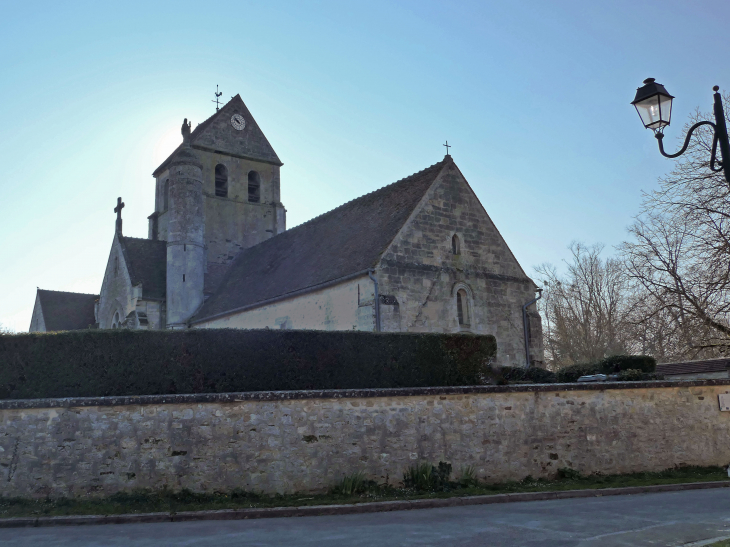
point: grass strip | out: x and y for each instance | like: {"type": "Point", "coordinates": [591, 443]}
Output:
{"type": "Point", "coordinates": [168, 501]}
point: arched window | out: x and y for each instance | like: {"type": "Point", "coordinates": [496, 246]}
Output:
{"type": "Point", "coordinates": [221, 181]}
{"type": "Point", "coordinates": [462, 308]}
{"type": "Point", "coordinates": [116, 266]}
{"type": "Point", "coordinates": [166, 195]}
{"type": "Point", "coordinates": [254, 187]}
{"type": "Point", "coordinates": [455, 245]}
{"type": "Point", "coordinates": [115, 321]}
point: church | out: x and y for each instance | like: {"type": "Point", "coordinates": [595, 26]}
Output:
{"type": "Point", "coordinates": [418, 255]}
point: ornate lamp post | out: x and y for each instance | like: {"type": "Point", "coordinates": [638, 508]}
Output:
{"type": "Point", "coordinates": [654, 105]}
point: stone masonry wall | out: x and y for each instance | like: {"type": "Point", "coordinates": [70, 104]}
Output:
{"type": "Point", "coordinates": [423, 274]}
{"type": "Point", "coordinates": [345, 306]}
{"type": "Point", "coordinates": [117, 293]}
{"type": "Point", "coordinates": [305, 441]}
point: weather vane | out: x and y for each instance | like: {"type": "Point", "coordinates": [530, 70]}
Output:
{"type": "Point", "coordinates": [447, 145]}
{"type": "Point", "coordinates": [217, 94]}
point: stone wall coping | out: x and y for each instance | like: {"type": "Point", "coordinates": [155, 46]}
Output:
{"type": "Point", "coordinates": [193, 398]}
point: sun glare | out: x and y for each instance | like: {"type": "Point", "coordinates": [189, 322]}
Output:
{"type": "Point", "coordinates": [166, 144]}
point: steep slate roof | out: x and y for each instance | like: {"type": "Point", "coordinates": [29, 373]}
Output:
{"type": "Point", "coordinates": [147, 264]}
{"type": "Point", "coordinates": [217, 134]}
{"type": "Point", "coordinates": [344, 241]}
{"type": "Point", "coordinates": [67, 310]}
{"type": "Point", "coordinates": [694, 367]}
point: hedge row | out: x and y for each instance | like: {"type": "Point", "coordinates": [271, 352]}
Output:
{"type": "Point", "coordinates": [628, 368]}
{"type": "Point", "coordinates": [610, 365]}
{"type": "Point", "coordinates": [120, 362]}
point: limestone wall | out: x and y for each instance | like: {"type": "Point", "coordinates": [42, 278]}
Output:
{"type": "Point", "coordinates": [288, 441]}
{"type": "Point", "coordinates": [345, 306]}
{"type": "Point", "coordinates": [117, 294]}
{"type": "Point", "coordinates": [422, 273]}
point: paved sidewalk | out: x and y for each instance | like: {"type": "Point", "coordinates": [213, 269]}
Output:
{"type": "Point", "coordinates": [666, 519]}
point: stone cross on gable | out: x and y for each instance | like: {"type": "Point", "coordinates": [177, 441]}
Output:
{"type": "Point", "coordinates": [118, 211]}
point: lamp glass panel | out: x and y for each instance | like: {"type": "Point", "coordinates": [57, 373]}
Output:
{"type": "Point", "coordinates": [649, 111]}
{"type": "Point", "coordinates": [665, 104]}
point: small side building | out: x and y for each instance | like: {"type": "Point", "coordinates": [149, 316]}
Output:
{"type": "Point", "coordinates": [705, 369]}
{"type": "Point", "coordinates": [58, 311]}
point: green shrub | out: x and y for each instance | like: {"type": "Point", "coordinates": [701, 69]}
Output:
{"type": "Point", "coordinates": [521, 374]}
{"type": "Point", "coordinates": [354, 484]}
{"type": "Point", "coordinates": [610, 365]}
{"type": "Point", "coordinates": [568, 473]}
{"type": "Point", "coordinates": [573, 372]}
{"type": "Point", "coordinates": [617, 363]}
{"type": "Point", "coordinates": [635, 375]}
{"type": "Point", "coordinates": [427, 478]}
{"type": "Point", "coordinates": [630, 375]}
{"type": "Point", "coordinates": [468, 477]}
{"type": "Point", "coordinates": [96, 363]}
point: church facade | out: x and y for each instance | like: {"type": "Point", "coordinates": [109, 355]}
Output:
{"type": "Point", "coordinates": [418, 255]}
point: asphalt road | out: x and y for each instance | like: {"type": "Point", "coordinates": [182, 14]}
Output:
{"type": "Point", "coordinates": [666, 519]}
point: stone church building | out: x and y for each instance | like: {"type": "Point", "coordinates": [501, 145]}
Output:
{"type": "Point", "coordinates": [418, 255]}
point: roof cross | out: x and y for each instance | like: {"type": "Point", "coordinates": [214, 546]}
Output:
{"type": "Point", "coordinates": [447, 145]}
{"type": "Point", "coordinates": [118, 211]}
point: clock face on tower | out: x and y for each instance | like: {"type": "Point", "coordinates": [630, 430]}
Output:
{"type": "Point", "coordinates": [238, 122]}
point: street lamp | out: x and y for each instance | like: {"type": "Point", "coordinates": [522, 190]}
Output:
{"type": "Point", "coordinates": [654, 105]}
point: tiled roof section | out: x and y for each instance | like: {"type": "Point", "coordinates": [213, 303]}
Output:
{"type": "Point", "coordinates": [214, 276]}
{"type": "Point", "coordinates": [693, 367]}
{"type": "Point", "coordinates": [346, 240]}
{"type": "Point", "coordinates": [67, 310]}
{"type": "Point", "coordinates": [147, 264]}
{"type": "Point", "coordinates": [216, 133]}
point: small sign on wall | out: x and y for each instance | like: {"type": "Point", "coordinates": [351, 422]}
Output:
{"type": "Point", "coordinates": [724, 402]}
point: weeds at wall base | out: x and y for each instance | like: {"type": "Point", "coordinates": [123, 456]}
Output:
{"type": "Point", "coordinates": [361, 490]}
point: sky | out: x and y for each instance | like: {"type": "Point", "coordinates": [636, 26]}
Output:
{"type": "Point", "coordinates": [353, 95]}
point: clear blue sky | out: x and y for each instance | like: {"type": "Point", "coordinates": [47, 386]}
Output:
{"type": "Point", "coordinates": [533, 95]}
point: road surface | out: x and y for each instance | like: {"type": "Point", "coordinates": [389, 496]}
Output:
{"type": "Point", "coordinates": [663, 519]}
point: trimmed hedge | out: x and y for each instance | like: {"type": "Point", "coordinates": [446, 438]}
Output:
{"type": "Point", "coordinates": [506, 375]}
{"type": "Point", "coordinates": [617, 363]}
{"type": "Point", "coordinates": [96, 363]}
{"type": "Point", "coordinates": [610, 365]}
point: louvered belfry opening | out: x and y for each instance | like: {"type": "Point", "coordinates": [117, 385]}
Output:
{"type": "Point", "coordinates": [221, 181]}
{"type": "Point", "coordinates": [254, 187]}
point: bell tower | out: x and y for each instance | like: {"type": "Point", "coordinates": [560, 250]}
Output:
{"type": "Point", "coordinates": [240, 189]}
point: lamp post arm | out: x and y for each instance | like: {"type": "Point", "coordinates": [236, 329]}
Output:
{"type": "Point", "coordinates": [660, 136]}
{"type": "Point", "coordinates": [713, 156]}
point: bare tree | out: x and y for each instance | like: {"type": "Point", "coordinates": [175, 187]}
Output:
{"type": "Point", "coordinates": [679, 256]}
{"type": "Point", "coordinates": [586, 311]}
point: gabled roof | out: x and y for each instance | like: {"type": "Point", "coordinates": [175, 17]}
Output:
{"type": "Point", "coordinates": [694, 367]}
{"type": "Point", "coordinates": [67, 310]}
{"type": "Point", "coordinates": [147, 264]}
{"type": "Point", "coordinates": [218, 135]}
{"type": "Point", "coordinates": [344, 241]}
